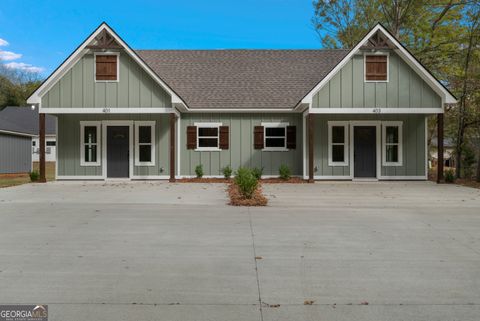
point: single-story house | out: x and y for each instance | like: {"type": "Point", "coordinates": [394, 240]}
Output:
{"type": "Point", "coordinates": [357, 113]}
{"type": "Point", "coordinates": [19, 139]}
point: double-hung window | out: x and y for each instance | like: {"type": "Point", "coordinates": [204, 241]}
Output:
{"type": "Point", "coordinates": [145, 143]}
{"type": "Point", "coordinates": [337, 143]}
{"type": "Point", "coordinates": [275, 136]}
{"type": "Point", "coordinates": [208, 136]}
{"type": "Point", "coordinates": [89, 143]}
{"type": "Point", "coordinates": [392, 143]}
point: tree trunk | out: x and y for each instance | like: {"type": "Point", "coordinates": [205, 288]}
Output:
{"type": "Point", "coordinates": [478, 167]}
{"type": "Point", "coordinates": [463, 98]}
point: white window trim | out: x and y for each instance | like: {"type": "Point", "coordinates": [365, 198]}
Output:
{"type": "Point", "coordinates": [398, 124]}
{"type": "Point", "coordinates": [377, 53]}
{"type": "Point", "coordinates": [96, 124]}
{"type": "Point", "coordinates": [150, 124]}
{"type": "Point", "coordinates": [208, 125]}
{"type": "Point", "coordinates": [95, 65]}
{"type": "Point", "coordinates": [274, 125]}
{"type": "Point", "coordinates": [345, 125]}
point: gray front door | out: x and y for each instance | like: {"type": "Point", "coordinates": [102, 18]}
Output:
{"type": "Point", "coordinates": [365, 151]}
{"type": "Point", "coordinates": [117, 151]}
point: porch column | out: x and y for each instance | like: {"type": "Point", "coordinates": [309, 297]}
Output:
{"type": "Point", "coordinates": [41, 134]}
{"type": "Point", "coordinates": [439, 148]}
{"type": "Point", "coordinates": [311, 132]}
{"type": "Point", "coordinates": [172, 147]}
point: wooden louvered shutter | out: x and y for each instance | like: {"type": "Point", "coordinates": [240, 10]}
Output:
{"type": "Point", "coordinates": [191, 137]}
{"type": "Point", "coordinates": [258, 137]}
{"type": "Point", "coordinates": [291, 137]}
{"type": "Point", "coordinates": [376, 67]}
{"type": "Point", "coordinates": [106, 67]}
{"type": "Point", "coordinates": [224, 137]}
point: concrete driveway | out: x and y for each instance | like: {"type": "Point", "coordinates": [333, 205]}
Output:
{"type": "Point", "coordinates": [159, 251]}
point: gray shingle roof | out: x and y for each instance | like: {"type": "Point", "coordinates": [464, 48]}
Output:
{"type": "Point", "coordinates": [242, 78]}
{"type": "Point", "coordinates": [24, 120]}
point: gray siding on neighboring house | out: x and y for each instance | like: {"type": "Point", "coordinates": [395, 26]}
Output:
{"type": "Point", "coordinates": [241, 151]}
{"type": "Point", "coordinates": [68, 145]}
{"type": "Point", "coordinates": [413, 145]}
{"type": "Point", "coordinates": [405, 88]}
{"type": "Point", "coordinates": [77, 88]}
{"type": "Point", "coordinates": [15, 154]}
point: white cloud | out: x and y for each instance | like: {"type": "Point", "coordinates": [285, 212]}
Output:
{"type": "Point", "coordinates": [24, 66]}
{"type": "Point", "coordinates": [8, 55]}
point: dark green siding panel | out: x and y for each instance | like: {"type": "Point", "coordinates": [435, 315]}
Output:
{"type": "Point", "coordinates": [68, 145]}
{"type": "Point", "coordinates": [77, 88]}
{"type": "Point", "coordinates": [241, 151]}
{"type": "Point", "coordinates": [348, 89]}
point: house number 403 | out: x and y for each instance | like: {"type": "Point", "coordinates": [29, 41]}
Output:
{"type": "Point", "coordinates": [377, 110]}
{"type": "Point", "coordinates": [106, 110]}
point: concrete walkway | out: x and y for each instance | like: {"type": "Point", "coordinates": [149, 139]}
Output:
{"type": "Point", "coordinates": [136, 251]}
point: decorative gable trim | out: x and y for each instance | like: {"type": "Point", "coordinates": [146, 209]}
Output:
{"type": "Point", "coordinates": [434, 83]}
{"type": "Point", "coordinates": [98, 40]}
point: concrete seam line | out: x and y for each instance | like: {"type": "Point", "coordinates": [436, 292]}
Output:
{"type": "Point", "coordinates": [255, 261]}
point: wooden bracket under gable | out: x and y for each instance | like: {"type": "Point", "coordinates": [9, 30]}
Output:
{"type": "Point", "coordinates": [104, 40]}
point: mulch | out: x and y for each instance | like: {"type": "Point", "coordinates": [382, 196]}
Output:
{"type": "Point", "coordinates": [277, 180]}
{"type": "Point", "coordinates": [273, 180]}
{"type": "Point", "coordinates": [14, 175]}
{"type": "Point", "coordinates": [203, 180]}
{"type": "Point", "coordinates": [237, 199]}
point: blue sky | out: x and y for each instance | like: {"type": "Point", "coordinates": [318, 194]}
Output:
{"type": "Point", "coordinates": [45, 32]}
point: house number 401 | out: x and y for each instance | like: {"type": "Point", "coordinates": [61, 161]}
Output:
{"type": "Point", "coordinates": [377, 110]}
{"type": "Point", "coordinates": [106, 110]}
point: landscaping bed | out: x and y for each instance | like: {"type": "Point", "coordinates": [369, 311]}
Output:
{"type": "Point", "coordinates": [204, 180]}
{"type": "Point", "coordinates": [237, 199]}
{"type": "Point", "coordinates": [278, 180]}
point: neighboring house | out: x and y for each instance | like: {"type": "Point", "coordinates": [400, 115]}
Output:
{"type": "Point", "coordinates": [327, 114]}
{"type": "Point", "coordinates": [448, 152]}
{"type": "Point", "coordinates": [19, 139]}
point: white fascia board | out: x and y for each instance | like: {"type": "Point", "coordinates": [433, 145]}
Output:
{"type": "Point", "coordinates": [35, 98]}
{"type": "Point", "coordinates": [376, 111]}
{"type": "Point", "coordinates": [108, 110]}
{"type": "Point", "coordinates": [447, 97]}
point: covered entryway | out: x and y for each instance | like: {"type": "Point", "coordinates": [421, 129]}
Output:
{"type": "Point", "coordinates": [364, 152]}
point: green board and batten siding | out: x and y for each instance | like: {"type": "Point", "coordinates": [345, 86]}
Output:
{"type": "Point", "coordinates": [68, 145]}
{"type": "Point", "coordinates": [404, 89]}
{"type": "Point", "coordinates": [413, 145]}
{"type": "Point", "coordinates": [241, 151]}
{"type": "Point", "coordinates": [78, 89]}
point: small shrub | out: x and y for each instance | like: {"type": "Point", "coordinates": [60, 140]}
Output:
{"type": "Point", "coordinates": [284, 172]}
{"type": "Point", "coordinates": [34, 176]}
{"type": "Point", "coordinates": [449, 176]}
{"type": "Point", "coordinates": [227, 171]}
{"type": "Point", "coordinates": [246, 182]}
{"type": "Point", "coordinates": [257, 172]}
{"type": "Point", "coordinates": [199, 171]}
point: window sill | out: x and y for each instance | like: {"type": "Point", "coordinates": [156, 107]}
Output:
{"type": "Point", "coordinates": [89, 164]}
{"type": "Point", "coordinates": [391, 164]}
{"type": "Point", "coordinates": [271, 149]}
{"type": "Point", "coordinates": [207, 149]}
{"type": "Point", "coordinates": [107, 80]}
{"type": "Point", "coordinates": [376, 80]}
{"type": "Point", "coordinates": [144, 163]}
{"type": "Point", "coordinates": [344, 164]}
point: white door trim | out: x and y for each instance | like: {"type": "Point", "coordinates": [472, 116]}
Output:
{"type": "Point", "coordinates": [358, 123]}
{"type": "Point", "coordinates": [105, 124]}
